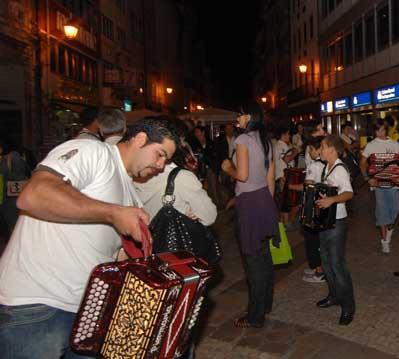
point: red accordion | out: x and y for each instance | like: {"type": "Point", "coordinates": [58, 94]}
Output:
{"type": "Point", "coordinates": [384, 167]}
{"type": "Point", "coordinates": [142, 308]}
{"type": "Point", "coordinates": [291, 198]}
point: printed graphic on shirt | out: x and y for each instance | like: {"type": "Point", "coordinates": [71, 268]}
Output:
{"type": "Point", "coordinates": [68, 155]}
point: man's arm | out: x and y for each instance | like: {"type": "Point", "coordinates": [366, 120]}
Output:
{"type": "Point", "coordinates": [47, 197]}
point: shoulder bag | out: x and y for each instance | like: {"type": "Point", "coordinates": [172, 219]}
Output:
{"type": "Point", "coordinates": [173, 231]}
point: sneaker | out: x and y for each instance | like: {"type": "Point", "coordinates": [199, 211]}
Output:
{"type": "Point", "coordinates": [385, 246]}
{"type": "Point", "coordinates": [389, 235]}
{"type": "Point", "coordinates": [315, 278]}
{"type": "Point", "coordinates": [308, 272]}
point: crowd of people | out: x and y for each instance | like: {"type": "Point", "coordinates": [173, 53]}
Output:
{"type": "Point", "coordinates": [111, 178]}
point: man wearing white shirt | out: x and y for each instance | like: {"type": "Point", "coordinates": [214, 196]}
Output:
{"type": "Point", "coordinates": [284, 155]}
{"type": "Point", "coordinates": [386, 199]}
{"type": "Point", "coordinates": [78, 202]}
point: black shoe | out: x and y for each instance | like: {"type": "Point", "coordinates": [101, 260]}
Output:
{"type": "Point", "coordinates": [396, 274]}
{"type": "Point", "coordinates": [326, 302]}
{"type": "Point", "coordinates": [346, 318]}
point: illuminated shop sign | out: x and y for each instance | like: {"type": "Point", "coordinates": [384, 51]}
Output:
{"type": "Point", "coordinates": [341, 104]}
{"type": "Point", "coordinates": [361, 99]}
{"type": "Point", "coordinates": [387, 94]}
{"type": "Point", "coordinates": [327, 107]}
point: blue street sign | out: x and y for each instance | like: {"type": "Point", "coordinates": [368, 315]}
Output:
{"type": "Point", "coordinates": [386, 94]}
{"type": "Point", "coordinates": [361, 99]}
{"type": "Point", "coordinates": [341, 104]}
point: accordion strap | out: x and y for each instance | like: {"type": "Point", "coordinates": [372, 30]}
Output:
{"type": "Point", "coordinates": [323, 174]}
{"type": "Point", "coordinates": [170, 186]}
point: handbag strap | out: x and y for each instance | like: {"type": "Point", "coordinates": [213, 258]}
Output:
{"type": "Point", "coordinates": [170, 186]}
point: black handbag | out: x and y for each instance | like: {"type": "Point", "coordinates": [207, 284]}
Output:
{"type": "Point", "coordinates": [173, 231]}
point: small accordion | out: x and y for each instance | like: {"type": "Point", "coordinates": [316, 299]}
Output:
{"type": "Point", "coordinates": [141, 308]}
{"type": "Point", "coordinates": [290, 198]}
{"type": "Point", "coordinates": [312, 216]}
{"type": "Point", "coordinates": [384, 167]}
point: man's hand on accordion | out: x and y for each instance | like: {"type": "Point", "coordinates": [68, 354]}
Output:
{"type": "Point", "coordinates": [325, 202]}
{"type": "Point", "coordinates": [127, 221]}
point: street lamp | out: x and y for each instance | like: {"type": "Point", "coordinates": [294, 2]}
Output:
{"type": "Point", "coordinates": [303, 68]}
{"type": "Point", "coordinates": [169, 90]}
{"type": "Point", "coordinates": [71, 30]}
{"type": "Point", "coordinates": [264, 99]}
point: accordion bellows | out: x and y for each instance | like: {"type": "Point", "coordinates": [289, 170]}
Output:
{"type": "Point", "coordinates": [141, 308]}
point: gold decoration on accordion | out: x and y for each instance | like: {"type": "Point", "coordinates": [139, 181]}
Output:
{"type": "Point", "coordinates": [133, 321]}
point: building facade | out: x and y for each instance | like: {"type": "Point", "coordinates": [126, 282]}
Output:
{"type": "Point", "coordinates": [303, 99]}
{"type": "Point", "coordinates": [272, 81]}
{"type": "Point", "coordinates": [359, 44]}
{"type": "Point", "coordinates": [127, 54]}
{"type": "Point", "coordinates": [20, 109]}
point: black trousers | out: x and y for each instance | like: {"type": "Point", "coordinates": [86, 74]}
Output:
{"type": "Point", "coordinates": [312, 247]}
{"type": "Point", "coordinates": [260, 277]}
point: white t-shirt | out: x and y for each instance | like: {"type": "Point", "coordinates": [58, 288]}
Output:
{"type": "Point", "coordinates": [50, 263]}
{"type": "Point", "coordinates": [189, 195]}
{"type": "Point", "coordinates": [314, 171]}
{"type": "Point", "coordinates": [297, 141]}
{"type": "Point", "coordinates": [380, 146]}
{"type": "Point", "coordinates": [339, 178]}
{"type": "Point", "coordinates": [280, 150]}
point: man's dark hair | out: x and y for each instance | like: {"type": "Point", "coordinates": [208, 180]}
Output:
{"type": "Point", "coordinates": [280, 131]}
{"type": "Point", "coordinates": [315, 141]}
{"type": "Point", "coordinates": [336, 142]}
{"type": "Point", "coordinates": [378, 124]}
{"type": "Point", "coordinates": [88, 115]}
{"type": "Point", "coordinates": [157, 130]}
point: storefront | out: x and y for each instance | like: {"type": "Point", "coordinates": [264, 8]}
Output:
{"type": "Point", "coordinates": [342, 114]}
{"type": "Point", "coordinates": [327, 115]}
{"type": "Point", "coordinates": [362, 113]}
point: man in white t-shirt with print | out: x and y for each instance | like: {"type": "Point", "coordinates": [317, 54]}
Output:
{"type": "Point", "coordinates": [386, 199]}
{"type": "Point", "coordinates": [78, 202]}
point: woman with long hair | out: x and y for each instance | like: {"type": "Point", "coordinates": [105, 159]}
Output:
{"type": "Point", "coordinates": [253, 169]}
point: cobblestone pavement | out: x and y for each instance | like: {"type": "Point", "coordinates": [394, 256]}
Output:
{"type": "Point", "coordinates": [296, 328]}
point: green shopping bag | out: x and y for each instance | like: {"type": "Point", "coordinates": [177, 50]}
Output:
{"type": "Point", "coordinates": [283, 254]}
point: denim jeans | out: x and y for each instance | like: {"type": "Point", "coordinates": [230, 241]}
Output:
{"type": "Point", "coordinates": [332, 253]}
{"type": "Point", "coordinates": [312, 247]}
{"type": "Point", "coordinates": [260, 277]}
{"type": "Point", "coordinates": [35, 331]}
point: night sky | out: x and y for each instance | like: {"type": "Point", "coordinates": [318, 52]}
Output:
{"type": "Point", "coordinates": [229, 29]}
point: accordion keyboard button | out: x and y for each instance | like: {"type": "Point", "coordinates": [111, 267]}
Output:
{"type": "Point", "coordinates": [106, 285]}
{"type": "Point", "coordinates": [89, 335]}
{"type": "Point", "coordinates": [95, 319]}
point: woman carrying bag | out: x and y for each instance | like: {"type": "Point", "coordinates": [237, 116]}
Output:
{"type": "Point", "coordinates": [253, 169]}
